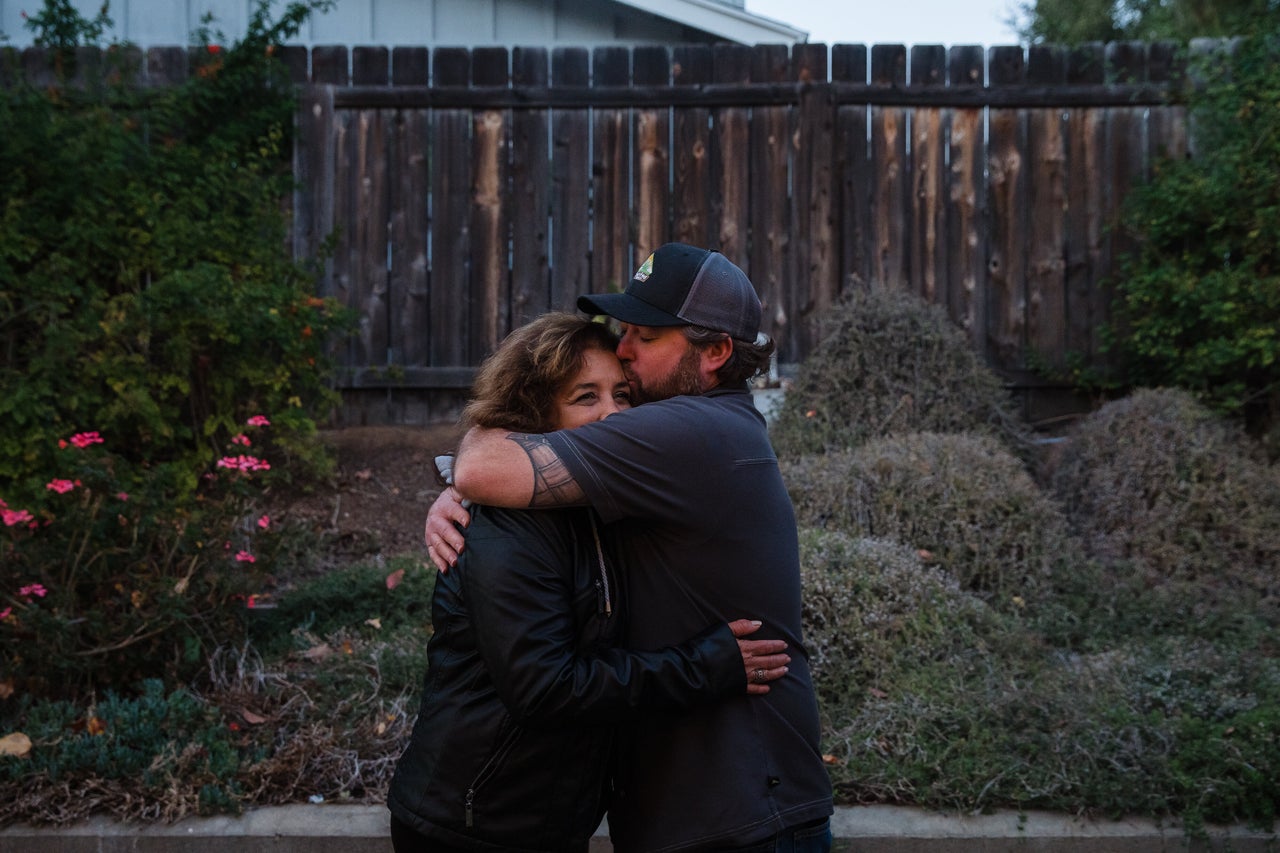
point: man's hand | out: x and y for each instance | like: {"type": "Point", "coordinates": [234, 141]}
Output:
{"type": "Point", "coordinates": [444, 539]}
{"type": "Point", "coordinates": [764, 660]}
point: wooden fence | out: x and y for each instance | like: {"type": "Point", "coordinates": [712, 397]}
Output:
{"type": "Point", "coordinates": [471, 190]}
{"type": "Point", "coordinates": [463, 192]}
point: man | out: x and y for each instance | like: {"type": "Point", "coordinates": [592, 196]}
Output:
{"type": "Point", "coordinates": [690, 486]}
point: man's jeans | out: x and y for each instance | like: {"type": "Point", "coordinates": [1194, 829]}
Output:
{"type": "Point", "coordinates": [809, 838]}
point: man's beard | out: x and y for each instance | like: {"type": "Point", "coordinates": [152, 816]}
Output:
{"type": "Point", "coordinates": [684, 378]}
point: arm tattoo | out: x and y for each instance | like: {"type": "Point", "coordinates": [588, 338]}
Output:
{"type": "Point", "coordinates": [553, 485]}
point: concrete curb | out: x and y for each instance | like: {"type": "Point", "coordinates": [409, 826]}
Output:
{"type": "Point", "coordinates": [883, 829]}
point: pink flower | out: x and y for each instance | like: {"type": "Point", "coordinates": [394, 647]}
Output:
{"type": "Point", "coordinates": [14, 517]}
{"type": "Point", "coordinates": [62, 444]}
{"type": "Point", "coordinates": [84, 439]}
{"type": "Point", "coordinates": [33, 589]}
{"type": "Point", "coordinates": [264, 522]}
{"type": "Point", "coordinates": [245, 557]}
{"type": "Point", "coordinates": [259, 420]}
{"type": "Point", "coordinates": [241, 439]}
{"type": "Point", "coordinates": [60, 486]}
{"type": "Point", "coordinates": [4, 614]}
{"type": "Point", "coordinates": [122, 496]}
{"type": "Point", "coordinates": [244, 463]}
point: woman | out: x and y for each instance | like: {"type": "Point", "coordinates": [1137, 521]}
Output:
{"type": "Point", "coordinates": [512, 744]}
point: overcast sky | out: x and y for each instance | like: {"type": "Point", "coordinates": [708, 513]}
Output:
{"type": "Point", "coordinates": [906, 22]}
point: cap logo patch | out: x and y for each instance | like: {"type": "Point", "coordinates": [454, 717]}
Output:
{"type": "Point", "coordinates": [646, 270]}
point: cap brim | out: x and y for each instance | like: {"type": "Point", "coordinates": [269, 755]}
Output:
{"type": "Point", "coordinates": [627, 309]}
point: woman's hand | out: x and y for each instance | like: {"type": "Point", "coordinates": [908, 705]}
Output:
{"type": "Point", "coordinates": [444, 539]}
{"type": "Point", "coordinates": [764, 660]}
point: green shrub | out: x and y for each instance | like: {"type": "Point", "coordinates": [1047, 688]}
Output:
{"type": "Point", "coordinates": [157, 755]}
{"type": "Point", "coordinates": [148, 301]}
{"type": "Point", "coordinates": [1198, 300]}
{"type": "Point", "coordinates": [889, 362]}
{"type": "Point", "coordinates": [1167, 729]}
{"type": "Point", "coordinates": [963, 499]}
{"type": "Point", "coordinates": [149, 295]}
{"type": "Point", "coordinates": [396, 596]}
{"type": "Point", "coordinates": [1158, 480]}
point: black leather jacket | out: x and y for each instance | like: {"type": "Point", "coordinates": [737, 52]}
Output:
{"type": "Point", "coordinates": [512, 746]}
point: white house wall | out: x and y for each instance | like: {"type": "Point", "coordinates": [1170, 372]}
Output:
{"type": "Point", "coordinates": [384, 22]}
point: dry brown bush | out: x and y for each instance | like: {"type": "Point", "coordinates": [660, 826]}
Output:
{"type": "Point", "coordinates": [872, 609]}
{"type": "Point", "coordinates": [1157, 479]}
{"type": "Point", "coordinates": [889, 362]}
{"type": "Point", "coordinates": [962, 498]}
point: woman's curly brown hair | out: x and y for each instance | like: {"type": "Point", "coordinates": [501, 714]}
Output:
{"type": "Point", "coordinates": [517, 385]}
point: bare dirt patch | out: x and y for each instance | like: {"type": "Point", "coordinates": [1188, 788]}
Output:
{"type": "Point", "coordinates": [377, 499]}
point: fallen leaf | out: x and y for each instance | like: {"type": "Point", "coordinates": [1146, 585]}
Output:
{"type": "Point", "coordinates": [375, 622]}
{"type": "Point", "coordinates": [251, 718]}
{"type": "Point", "coordinates": [877, 692]}
{"type": "Point", "coordinates": [319, 652]}
{"type": "Point", "coordinates": [393, 579]}
{"type": "Point", "coordinates": [347, 648]}
{"type": "Point", "coordinates": [16, 744]}
{"type": "Point", "coordinates": [6, 688]}
{"type": "Point", "coordinates": [95, 726]}
{"type": "Point", "coordinates": [830, 759]}
{"type": "Point", "coordinates": [364, 474]}
{"type": "Point", "coordinates": [925, 555]}
{"type": "Point", "coordinates": [381, 728]}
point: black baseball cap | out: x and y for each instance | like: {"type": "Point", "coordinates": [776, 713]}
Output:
{"type": "Point", "coordinates": [682, 285]}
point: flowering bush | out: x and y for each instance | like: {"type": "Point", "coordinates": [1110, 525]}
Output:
{"type": "Point", "coordinates": [112, 578]}
{"type": "Point", "coordinates": [150, 307]}
{"type": "Point", "coordinates": [144, 269]}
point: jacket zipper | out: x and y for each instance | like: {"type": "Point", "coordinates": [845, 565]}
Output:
{"type": "Point", "coordinates": [602, 585]}
{"type": "Point", "coordinates": [490, 767]}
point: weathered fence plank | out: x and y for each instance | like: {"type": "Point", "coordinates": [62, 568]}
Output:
{"type": "Point", "coordinates": [768, 202]}
{"type": "Point", "coordinates": [691, 151]}
{"type": "Point", "coordinates": [928, 262]}
{"type": "Point", "coordinates": [368, 268]}
{"type": "Point", "coordinates": [530, 194]}
{"type": "Point", "coordinates": [730, 159]}
{"type": "Point", "coordinates": [1007, 180]}
{"type": "Point", "coordinates": [570, 183]}
{"type": "Point", "coordinates": [491, 298]}
{"type": "Point", "coordinates": [652, 151]}
{"type": "Point", "coordinates": [450, 299]}
{"type": "Point", "coordinates": [966, 237]}
{"type": "Point", "coordinates": [611, 176]}
{"type": "Point", "coordinates": [891, 199]}
{"type": "Point", "coordinates": [853, 170]}
{"type": "Point", "coordinates": [408, 288]}
{"type": "Point", "coordinates": [814, 276]}
{"type": "Point", "coordinates": [1046, 249]}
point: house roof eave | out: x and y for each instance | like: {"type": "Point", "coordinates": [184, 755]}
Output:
{"type": "Point", "coordinates": [719, 19]}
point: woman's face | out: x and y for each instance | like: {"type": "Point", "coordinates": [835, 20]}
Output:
{"type": "Point", "coordinates": [598, 390]}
